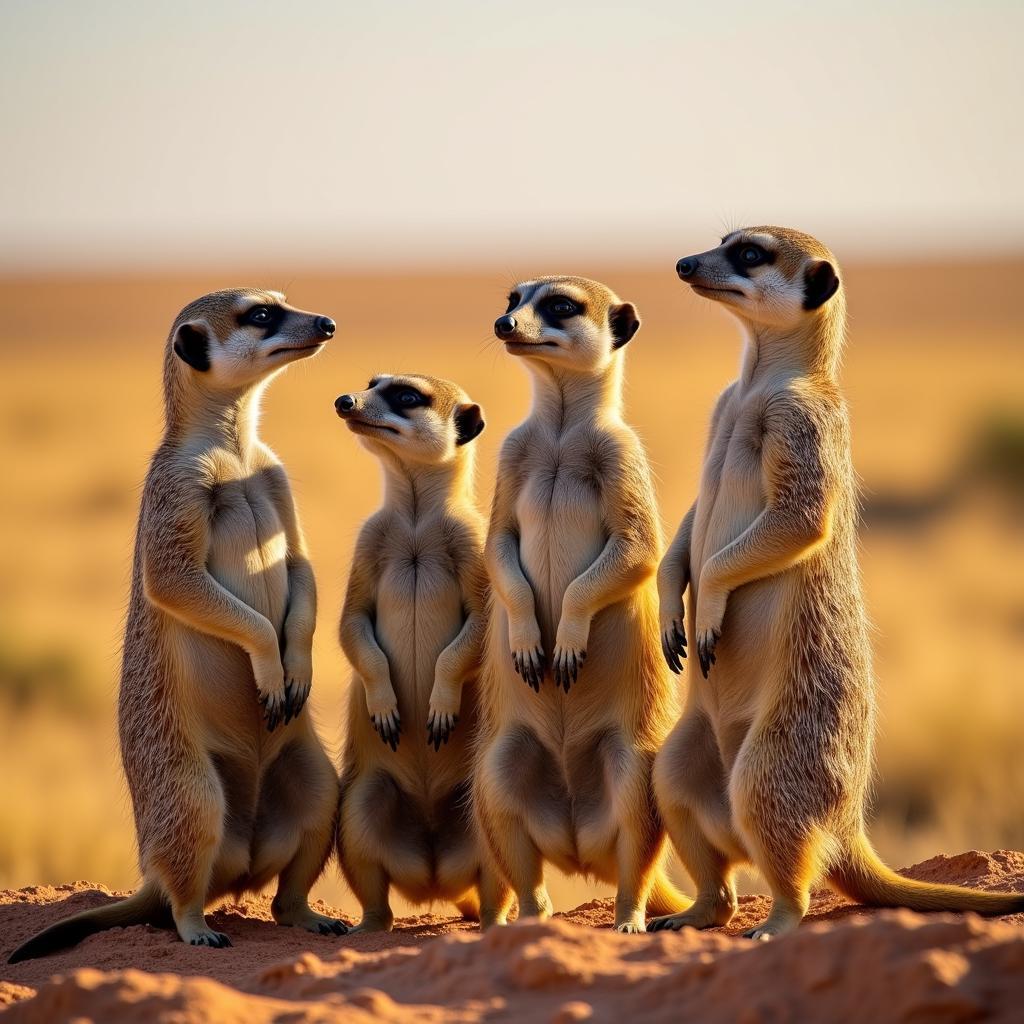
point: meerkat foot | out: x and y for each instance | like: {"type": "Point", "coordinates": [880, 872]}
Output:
{"type": "Point", "coordinates": [536, 904]}
{"type": "Point", "coordinates": [779, 922]}
{"type": "Point", "coordinates": [203, 935]}
{"type": "Point", "coordinates": [634, 924]}
{"type": "Point", "coordinates": [699, 916]}
{"type": "Point", "coordinates": [374, 921]}
{"type": "Point", "coordinates": [492, 917]}
{"type": "Point", "coordinates": [307, 918]}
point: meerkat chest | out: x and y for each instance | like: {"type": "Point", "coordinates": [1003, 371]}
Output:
{"type": "Point", "coordinates": [248, 547]}
{"type": "Point", "coordinates": [564, 479]}
{"type": "Point", "coordinates": [732, 493]}
{"type": "Point", "coordinates": [416, 565]}
{"type": "Point", "coordinates": [734, 458]}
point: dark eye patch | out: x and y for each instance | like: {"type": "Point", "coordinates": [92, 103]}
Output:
{"type": "Point", "coordinates": [263, 317]}
{"type": "Point", "coordinates": [554, 309]}
{"type": "Point", "coordinates": [513, 300]}
{"type": "Point", "coordinates": [739, 256]}
{"type": "Point", "coordinates": [403, 398]}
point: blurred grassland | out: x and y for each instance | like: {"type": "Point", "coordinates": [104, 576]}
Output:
{"type": "Point", "coordinates": [934, 374]}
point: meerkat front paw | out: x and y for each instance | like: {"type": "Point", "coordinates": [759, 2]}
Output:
{"type": "Point", "coordinates": [570, 650]}
{"type": "Point", "coordinates": [711, 603]}
{"type": "Point", "coordinates": [298, 680]}
{"type": "Point", "coordinates": [382, 704]}
{"type": "Point", "coordinates": [527, 652]}
{"type": "Point", "coordinates": [443, 714]}
{"type": "Point", "coordinates": [270, 684]}
{"type": "Point", "coordinates": [673, 643]}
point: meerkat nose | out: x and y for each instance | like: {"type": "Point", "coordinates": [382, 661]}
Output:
{"type": "Point", "coordinates": [686, 266]}
{"type": "Point", "coordinates": [326, 326]}
{"type": "Point", "coordinates": [504, 325]}
{"type": "Point", "coordinates": [344, 404]}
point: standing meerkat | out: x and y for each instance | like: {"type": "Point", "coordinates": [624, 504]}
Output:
{"type": "Point", "coordinates": [413, 628]}
{"type": "Point", "coordinates": [218, 643]}
{"type": "Point", "coordinates": [564, 773]}
{"type": "Point", "coordinates": [771, 759]}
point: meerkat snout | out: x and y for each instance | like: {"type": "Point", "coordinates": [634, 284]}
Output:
{"type": "Point", "coordinates": [686, 266]}
{"type": "Point", "coordinates": [505, 325]}
{"type": "Point", "coordinates": [344, 404]}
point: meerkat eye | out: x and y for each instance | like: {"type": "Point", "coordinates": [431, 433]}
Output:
{"type": "Point", "coordinates": [562, 306]}
{"type": "Point", "coordinates": [259, 315]}
{"type": "Point", "coordinates": [513, 301]}
{"type": "Point", "coordinates": [751, 255]}
{"type": "Point", "coordinates": [408, 398]}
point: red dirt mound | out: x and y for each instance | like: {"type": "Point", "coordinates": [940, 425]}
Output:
{"type": "Point", "coordinates": [845, 963]}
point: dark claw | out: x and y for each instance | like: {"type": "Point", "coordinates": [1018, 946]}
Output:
{"type": "Point", "coordinates": [332, 927]}
{"type": "Point", "coordinates": [680, 638]}
{"type": "Point", "coordinates": [706, 651]}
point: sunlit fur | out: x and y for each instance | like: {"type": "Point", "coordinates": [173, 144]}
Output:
{"type": "Point", "coordinates": [413, 628]}
{"type": "Point", "coordinates": [565, 775]}
{"type": "Point", "coordinates": [221, 586]}
{"type": "Point", "coordinates": [771, 759]}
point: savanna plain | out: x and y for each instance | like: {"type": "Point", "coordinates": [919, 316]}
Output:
{"type": "Point", "coordinates": [934, 375]}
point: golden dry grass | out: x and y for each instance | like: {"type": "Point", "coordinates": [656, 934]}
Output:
{"type": "Point", "coordinates": [932, 351]}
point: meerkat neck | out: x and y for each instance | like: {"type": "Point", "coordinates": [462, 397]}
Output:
{"type": "Point", "coordinates": [813, 349]}
{"type": "Point", "coordinates": [217, 419]}
{"type": "Point", "coordinates": [420, 490]}
{"type": "Point", "coordinates": [563, 396]}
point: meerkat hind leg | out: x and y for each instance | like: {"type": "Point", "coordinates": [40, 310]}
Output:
{"type": "Point", "coordinates": [496, 897]}
{"type": "Point", "coordinates": [689, 781]}
{"type": "Point", "coordinates": [291, 903]}
{"type": "Point", "coordinates": [369, 881]}
{"type": "Point", "coordinates": [625, 780]}
{"type": "Point", "coordinates": [298, 803]}
{"type": "Point", "coordinates": [185, 870]}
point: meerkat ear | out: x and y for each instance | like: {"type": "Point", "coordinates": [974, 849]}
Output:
{"type": "Point", "coordinates": [469, 421]}
{"type": "Point", "coordinates": [192, 345]}
{"type": "Point", "coordinates": [624, 321]}
{"type": "Point", "coordinates": [820, 284]}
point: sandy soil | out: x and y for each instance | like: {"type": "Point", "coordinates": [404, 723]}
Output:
{"type": "Point", "coordinates": [845, 963]}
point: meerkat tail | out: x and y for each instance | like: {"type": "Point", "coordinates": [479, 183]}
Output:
{"type": "Point", "coordinates": [147, 906]}
{"type": "Point", "coordinates": [665, 898]}
{"type": "Point", "coordinates": [862, 876]}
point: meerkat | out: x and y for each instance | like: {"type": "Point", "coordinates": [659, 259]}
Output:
{"type": "Point", "coordinates": [218, 643]}
{"type": "Point", "coordinates": [564, 772]}
{"type": "Point", "coordinates": [770, 761]}
{"type": "Point", "coordinates": [412, 628]}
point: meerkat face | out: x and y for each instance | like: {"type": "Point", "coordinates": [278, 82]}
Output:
{"type": "Point", "coordinates": [768, 275]}
{"type": "Point", "coordinates": [420, 419]}
{"type": "Point", "coordinates": [566, 322]}
{"type": "Point", "coordinates": [236, 338]}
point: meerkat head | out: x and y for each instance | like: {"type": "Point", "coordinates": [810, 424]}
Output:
{"type": "Point", "coordinates": [566, 322]}
{"type": "Point", "coordinates": [233, 339]}
{"type": "Point", "coordinates": [420, 419]}
{"type": "Point", "coordinates": [766, 275]}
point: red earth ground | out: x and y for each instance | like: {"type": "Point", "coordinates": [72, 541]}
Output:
{"type": "Point", "coordinates": [844, 964]}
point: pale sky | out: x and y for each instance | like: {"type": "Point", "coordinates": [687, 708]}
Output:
{"type": "Point", "coordinates": [425, 133]}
